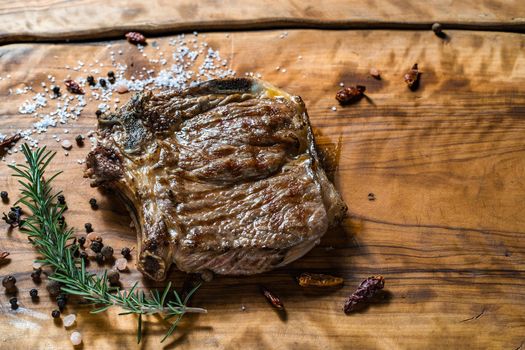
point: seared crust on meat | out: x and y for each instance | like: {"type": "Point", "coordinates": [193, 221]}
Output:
{"type": "Point", "coordinates": [222, 176]}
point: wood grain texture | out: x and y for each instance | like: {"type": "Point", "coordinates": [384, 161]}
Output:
{"type": "Point", "coordinates": [49, 20]}
{"type": "Point", "coordinates": [445, 163]}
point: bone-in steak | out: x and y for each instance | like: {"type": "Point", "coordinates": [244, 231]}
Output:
{"type": "Point", "coordinates": [223, 176]}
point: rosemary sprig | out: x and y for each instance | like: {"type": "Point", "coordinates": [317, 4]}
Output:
{"type": "Point", "coordinates": [48, 234]}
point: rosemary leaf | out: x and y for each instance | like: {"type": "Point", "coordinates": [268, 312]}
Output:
{"type": "Point", "coordinates": [56, 246]}
{"type": "Point", "coordinates": [139, 329]}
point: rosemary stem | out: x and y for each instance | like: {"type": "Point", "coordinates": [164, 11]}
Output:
{"type": "Point", "coordinates": [182, 310]}
{"type": "Point", "coordinates": [196, 310]}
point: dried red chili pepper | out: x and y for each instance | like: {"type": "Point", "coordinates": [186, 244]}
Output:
{"type": "Point", "coordinates": [136, 38]}
{"type": "Point", "coordinates": [318, 280]}
{"type": "Point", "coordinates": [412, 77]}
{"type": "Point", "coordinates": [6, 143]}
{"type": "Point", "coordinates": [350, 94]}
{"type": "Point", "coordinates": [364, 292]}
{"type": "Point", "coordinates": [272, 298]}
{"type": "Point", "coordinates": [73, 87]}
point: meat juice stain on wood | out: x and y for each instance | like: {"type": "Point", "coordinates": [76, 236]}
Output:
{"type": "Point", "coordinates": [329, 153]}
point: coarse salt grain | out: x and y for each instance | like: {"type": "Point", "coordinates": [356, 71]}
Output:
{"type": "Point", "coordinates": [76, 338]}
{"type": "Point", "coordinates": [66, 144]}
{"type": "Point", "coordinates": [69, 320]}
{"type": "Point", "coordinates": [375, 73]}
{"type": "Point", "coordinates": [121, 264]}
{"type": "Point", "coordinates": [184, 72]}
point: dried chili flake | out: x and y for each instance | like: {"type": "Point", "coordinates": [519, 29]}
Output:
{"type": "Point", "coordinates": [350, 94]}
{"type": "Point", "coordinates": [73, 87]}
{"type": "Point", "coordinates": [136, 38]}
{"type": "Point", "coordinates": [318, 280]}
{"type": "Point", "coordinates": [412, 77]}
{"type": "Point", "coordinates": [272, 298]}
{"type": "Point", "coordinates": [6, 143]}
{"type": "Point", "coordinates": [3, 256]}
{"type": "Point", "coordinates": [366, 290]}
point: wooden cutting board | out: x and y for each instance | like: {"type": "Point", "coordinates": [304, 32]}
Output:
{"type": "Point", "coordinates": [445, 164]}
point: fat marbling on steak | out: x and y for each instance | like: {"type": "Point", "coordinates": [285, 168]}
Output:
{"type": "Point", "coordinates": [222, 176]}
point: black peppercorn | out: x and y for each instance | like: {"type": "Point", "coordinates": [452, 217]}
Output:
{"type": "Point", "coordinates": [107, 252]}
{"type": "Point", "coordinates": [81, 241]}
{"type": "Point", "coordinates": [62, 297]}
{"type": "Point", "coordinates": [98, 112]}
{"type": "Point", "coordinates": [35, 275]}
{"type": "Point", "coordinates": [80, 140]}
{"type": "Point", "coordinates": [33, 293]}
{"type": "Point", "coordinates": [99, 258]}
{"type": "Point", "coordinates": [111, 80]}
{"type": "Point", "coordinates": [9, 282]}
{"type": "Point", "coordinates": [5, 196]}
{"type": "Point", "coordinates": [126, 252]}
{"type": "Point", "coordinates": [96, 246]}
{"type": "Point", "coordinates": [61, 303]}
{"type": "Point", "coordinates": [93, 203]}
{"type": "Point", "coordinates": [13, 217]}
{"type": "Point", "coordinates": [55, 314]}
{"type": "Point", "coordinates": [90, 80]}
{"type": "Point", "coordinates": [88, 227]}
{"type": "Point", "coordinates": [102, 82]}
{"type": "Point", "coordinates": [14, 303]}
{"type": "Point", "coordinates": [61, 199]}
{"type": "Point", "coordinates": [371, 197]}
{"type": "Point", "coordinates": [84, 256]}
{"type": "Point", "coordinates": [113, 278]}
{"type": "Point", "coordinates": [56, 90]}
{"type": "Point", "coordinates": [111, 74]}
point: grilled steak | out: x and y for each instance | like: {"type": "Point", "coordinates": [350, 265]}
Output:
{"type": "Point", "coordinates": [223, 176]}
